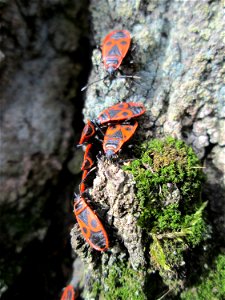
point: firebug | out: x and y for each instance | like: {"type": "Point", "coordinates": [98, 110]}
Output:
{"type": "Point", "coordinates": [114, 48]}
{"type": "Point", "coordinates": [116, 135]}
{"type": "Point", "coordinates": [121, 112]}
{"type": "Point", "coordinates": [114, 114]}
{"type": "Point", "coordinates": [90, 225]}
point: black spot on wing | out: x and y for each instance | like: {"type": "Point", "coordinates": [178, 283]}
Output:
{"type": "Point", "coordinates": [98, 239]}
{"type": "Point", "coordinates": [113, 112]}
{"type": "Point", "coordinates": [114, 51]}
{"type": "Point", "coordinates": [116, 134]}
{"type": "Point", "coordinates": [83, 216]}
{"type": "Point", "coordinates": [84, 229]}
{"type": "Point", "coordinates": [118, 35]}
{"type": "Point", "coordinates": [94, 223]}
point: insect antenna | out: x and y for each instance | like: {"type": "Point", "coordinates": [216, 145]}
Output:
{"type": "Point", "coordinates": [102, 79]}
{"type": "Point", "coordinates": [93, 82]}
{"type": "Point", "coordinates": [99, 128]}
{"type": "Point", "coordinates": [129, 76]}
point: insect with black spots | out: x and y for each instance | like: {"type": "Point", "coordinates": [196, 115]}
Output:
{"type": "Point", "coordinates": [114, 48]}
{"type": "Point", "coordinates": [90, 225]}
{"type": "Point", "coordinates": [114, 114]}
{"type": "Point", "coordinates": [117, 132]}
{"type": "Point", "coordinates": [116, 135]}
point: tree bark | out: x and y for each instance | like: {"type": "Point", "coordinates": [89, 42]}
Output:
{"type": "Point", "coordinates": [179, 56]}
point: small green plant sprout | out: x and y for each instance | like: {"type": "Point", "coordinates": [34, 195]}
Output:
{"type": "Point", "coordinates": [168, 178]}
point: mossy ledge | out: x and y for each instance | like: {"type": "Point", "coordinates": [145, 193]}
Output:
{"type": "Point", "coordinates": [168, 178]}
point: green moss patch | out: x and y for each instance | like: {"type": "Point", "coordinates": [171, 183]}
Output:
{"type": "Point", "coordinates": [168, 178]}
{"type": "Point", "coordinates": [121, 283]}
{"type": "Point", "coordinates": [211, 286]}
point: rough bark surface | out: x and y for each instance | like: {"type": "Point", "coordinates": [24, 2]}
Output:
{"type": "Point", "coordinates": [179, 55]}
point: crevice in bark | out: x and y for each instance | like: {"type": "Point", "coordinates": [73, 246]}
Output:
{"type": "Point", "coordinates": [45, 264]}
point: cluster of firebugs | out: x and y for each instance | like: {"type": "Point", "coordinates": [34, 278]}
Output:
{"type": "Point", "coordinates": [115, 126]}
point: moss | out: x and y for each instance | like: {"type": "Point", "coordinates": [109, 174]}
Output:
{"type": "Point", "coordinates": [121, 283]}
{"type": "Point", "coordinates": [168, 178]}
{"type": "Point", "coordinates": [211, 286]}
{"type": "Point", "coordinates": [164, 167]}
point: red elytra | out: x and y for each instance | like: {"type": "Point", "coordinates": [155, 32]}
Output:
{"type": "Point", "coordinates": [116, 113]}
{"type": "Point", "coordinates": [87, 161]}
{"type": "Point", "coordinates": [114, 48]}
{"type": "Point", "coordinates": [90, 225]}
{"type": "Point", "coordinates": [116, 135]}
{"type": "Point", "coordinates": [68, 293]}
{"type": "Point", "coordinates": [121, 112]}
